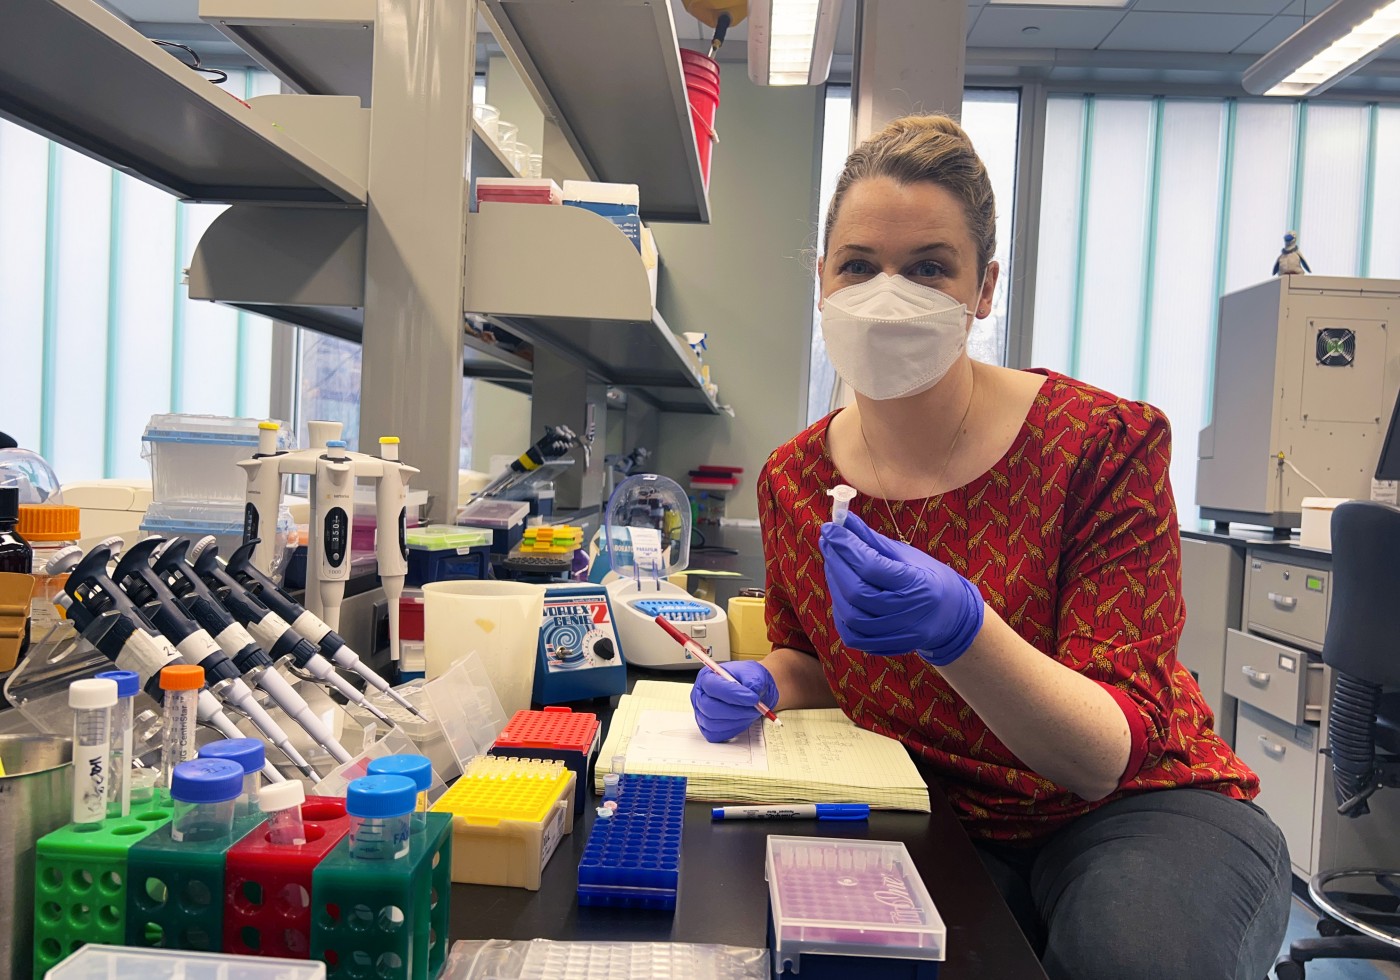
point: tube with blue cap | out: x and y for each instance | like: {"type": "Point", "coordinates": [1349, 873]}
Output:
{"type": "Point", "coordinates": [250, 755]}
{"type": "Point", "coordinates": [801, 811]}
{"type": "Point", "coordinates": [119, 770]}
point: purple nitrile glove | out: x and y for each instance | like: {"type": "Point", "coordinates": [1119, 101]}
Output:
{"type": "Point", "coordinates": [888, 598]}
{"type": "Point", "coordinates": [723, 708]}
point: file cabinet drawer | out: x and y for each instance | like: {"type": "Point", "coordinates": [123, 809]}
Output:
{"type": "Point", "coordinates": [1285, 759]}
{"type": "Point", "coordinates": [1273, 677]}
{"type": "Point", "coordinates": [1288, 600]}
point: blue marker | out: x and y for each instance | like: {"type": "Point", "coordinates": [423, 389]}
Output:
{"type": "Point", "coordinates": [801, 811]}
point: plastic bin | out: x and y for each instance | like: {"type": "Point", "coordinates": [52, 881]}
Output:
{"type": "Point", "coordinates": [850, 908]}
{"type": "Point", "coordinates": [633, 858]}
{"type": "Point", "coordinates": [97, 962]}
{"type": "Point", "coordinates": [556, 733]}
{"type": "Point", "coordinates": [185, 519]}
{"type": "Point", "coordinates": [195, 457]}
{"type": "Point", "coordinates": [508, 816]}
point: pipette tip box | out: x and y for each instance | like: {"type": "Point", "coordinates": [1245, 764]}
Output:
{"type": "Point", "coordinates": [850, 908]}
{"type": "Point", "coordinates": [558, 733]}
{"type": "Point", "coordinates": [508, 816]}
{"type": "Point", "coordinates": [633, 858]}
{"type": "Point", "coordinates": [106, 962]}
{"type": "Point", "coordinates": [440, 552]}
{"type": "Point", "coordinates": [267, 887]}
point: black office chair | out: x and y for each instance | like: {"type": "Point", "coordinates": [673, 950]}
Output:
{"type": "Point", "coordinates": [1363, 730]}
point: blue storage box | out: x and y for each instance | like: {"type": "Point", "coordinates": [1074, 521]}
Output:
{"type": "Point", "coordinates": [440, 552]}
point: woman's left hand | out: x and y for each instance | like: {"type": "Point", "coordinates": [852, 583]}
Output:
{"type": "Point", "coordinates": [888, 598]}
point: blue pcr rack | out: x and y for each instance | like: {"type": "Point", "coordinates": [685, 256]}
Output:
{"type": "Point", "coordinates": [676, 610]}
{"type": "Point", "coordinates": [633, 858]}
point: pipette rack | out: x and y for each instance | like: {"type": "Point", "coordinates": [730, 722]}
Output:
{"type": "Point", "coordinates": [633, 858]}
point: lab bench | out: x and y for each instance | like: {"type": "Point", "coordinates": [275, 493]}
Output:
{"type": "Point", "coordinates": [1256, 616]}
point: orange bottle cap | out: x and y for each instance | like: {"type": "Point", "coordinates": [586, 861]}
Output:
{"type": "Point", "coordinates": [48, 522]}
{"type": "Point", "coordinates": [182, 677]}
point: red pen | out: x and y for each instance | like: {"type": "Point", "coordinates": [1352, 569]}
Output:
{"type": "Point", "coordinates": [698, 652]}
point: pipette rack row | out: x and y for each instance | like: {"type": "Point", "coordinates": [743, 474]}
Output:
{"type": "Point", "coordinates": [633, 858]}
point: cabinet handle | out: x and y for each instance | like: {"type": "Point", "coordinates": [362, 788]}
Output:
{"type": "Point", "coordinates": [1272, 749]}
{"type": "Point", "coordinates": [1255, 676]}
{"type": "Point", "coordinates": [1283, 601]}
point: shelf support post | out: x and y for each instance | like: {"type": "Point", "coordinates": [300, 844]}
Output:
{"type": "Point", "coordinates": [420, 138]}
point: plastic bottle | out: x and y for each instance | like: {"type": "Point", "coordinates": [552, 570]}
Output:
{"type": "Point", "coordinates": [380, 809]}
{"type": "Point", "coordinates": [251, 756]}
{"type": "Point", "coordinates": [119, 788]}
{"type": "Point", "coordinates": [204, 791]}
{"type": "Point", "coordinates": [416, 768]}
{"type": "Point", "coordinates": [92, 701]}
{"type": "Point", "coordinates": [15, 553]}
{"type": "Point", "coordinates": [49, 528]}
{"type": "Point", "coordinates": [282, 804]}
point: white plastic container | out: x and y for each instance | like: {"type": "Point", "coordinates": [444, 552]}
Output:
{"type": "Point", "coordinates": [498, 621]}
{"type": "Point", "coordinates": [1317, 522]}
{"type": "Point", "coordinates": [195, 457]}
{"type": "Point", "coordinates": [96, 962]}
{"type": "Point", "coordinates": [488, 117]}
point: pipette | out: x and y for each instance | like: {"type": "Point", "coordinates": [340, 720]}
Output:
{"type": "Point", "coordinates": [181, 684]}
{"type": "Point", "coordinates": [841, 497]}
{"type": "Point", "coordinates": [195, 574]}
{"type": "Point", "coordinates": [305, 622]}
{"type": "Point", "coordinates": [334, 502]}
{"type": "Point", "coordinates": [119, 788]}
{"type": "Point", "coordinates": [89, 584]}
{"type": "Point", "coordinates": [282, 804]}
{"type": "Point", "coordinates": [195, 644]}
{"type": "Point", "coordinates": [264, 497]}
{"type": "Point", "coordinates": [92, 701]}
{"type": "Point", "coordinates": [390, 544]}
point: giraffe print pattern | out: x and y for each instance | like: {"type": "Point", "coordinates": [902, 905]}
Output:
{"type": "Point", "coordinates": [1072, 539]}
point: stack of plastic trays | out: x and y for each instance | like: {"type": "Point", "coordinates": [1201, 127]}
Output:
{"type": "Point", "coordinates": [518, 190]}
{"type": "Point", "coordinates": [384, 918]}
{"type": "Point", "coordinates": [633, 858]}
{"type": "Point", "coordinates": [554, 733]}
{"type": "Point", "coordinates": [508, 816]}
{"type": "Point", "coordinates": [267, 887]}
{"type": "Point", "coordinates": [80, 883]}
{"type": "Point", "coordinates": [115, 963]}
{"type": "Point", "coordinates": [850, 908]}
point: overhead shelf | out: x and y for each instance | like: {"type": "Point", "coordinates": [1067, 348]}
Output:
{"type": "Point", "coordinates": [609, 73]}
{"type": "Point", "coordinates": [76, 73]}
{"type": "Point", "coordinates": [565, 279]}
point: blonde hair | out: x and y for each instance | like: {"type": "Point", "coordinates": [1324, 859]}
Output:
{"type": "Point", "coordinates": [926, 148]}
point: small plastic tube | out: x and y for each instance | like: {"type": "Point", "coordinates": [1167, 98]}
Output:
{"type": "Point", "coordinates": [612, 783]}
{"type": "Point", "coordinates": [119, 787]}
{"type": "Point", "coordinates": [251, 755]}
{"type": "Point", "coordinates": [841, 497]}
{"type": "Point", "coordinates": [181, 684]}
{"type": "Point", "coordinates": [143, 788]}
{"type": "Point", "coordinates": [417, 768]}
{"type": "Point", "coordinates": [204, 792]}
{"type": "Point", "coordinates": [381, 810]}
{"type": "Point", "coordinates": [92, 701]}
{"type": "Point", "coordinates": [282, 804]}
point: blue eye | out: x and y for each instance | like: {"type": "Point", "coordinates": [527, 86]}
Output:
{"type": "Point", "coordinates": [928, 269]}
{"type": "Point", "coordinates": [857, 267]}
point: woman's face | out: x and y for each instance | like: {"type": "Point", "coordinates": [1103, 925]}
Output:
{"type": "Point", "coordinates": [917, 231]}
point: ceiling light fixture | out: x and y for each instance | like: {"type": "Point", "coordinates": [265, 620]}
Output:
{"type": "Point", "coordinates": [1326, 49]}
{"type": "Point", "coordinates": [790, 41]}
{"type": "Point", "coordinates": [1118, 4]}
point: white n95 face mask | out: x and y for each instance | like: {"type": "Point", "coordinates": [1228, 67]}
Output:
{"type": "Point", "coordinates": [888, 337]}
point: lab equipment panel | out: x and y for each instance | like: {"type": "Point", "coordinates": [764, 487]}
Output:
{"type": "Point", "coordinates": [1288, 600]}
{"type": "Point", "coordinates": [1274, 678]}
{"type": "Point", "coordinates": [1286, 760]}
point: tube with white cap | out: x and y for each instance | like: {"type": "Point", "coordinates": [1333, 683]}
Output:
{"type": "Point", "coordinates": [92, 701]}
{"type": "Point", "coordinates": [334, 503]}
{"type": "Point", "coordinates": [841, 497]}
{"type": "Point", "coordinates": [390, 543]}
{"type": "Point", "coordinates": [282, 805]}
{"type": "Point", "coordinates": [264, 494]}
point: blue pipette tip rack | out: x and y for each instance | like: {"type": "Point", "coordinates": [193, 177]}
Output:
{"type": "Point", "coordinates": [675, 610]}
{"type": "Point", "coordinates": [633, 859]}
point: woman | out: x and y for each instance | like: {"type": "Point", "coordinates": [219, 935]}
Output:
{"type": "Point", "coordinates": [1004, 597]}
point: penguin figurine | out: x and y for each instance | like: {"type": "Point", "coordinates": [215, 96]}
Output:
{"type": "Point", "coordinates": [1290, 261]}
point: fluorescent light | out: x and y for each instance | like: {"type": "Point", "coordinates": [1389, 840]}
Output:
{"type": "Point", "coordinates": [790, 41]}
{"type": "Point", "coordinates": [1119, 4]}
{"type": "Point", "coordinates": [1327, 49]}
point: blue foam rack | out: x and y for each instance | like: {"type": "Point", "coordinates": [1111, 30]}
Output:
{"type": "Point", "coordinates": [676, 610]}
{"type": "Point", "coordinates": [633, 858]}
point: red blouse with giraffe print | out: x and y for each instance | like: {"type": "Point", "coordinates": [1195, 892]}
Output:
{"type": "Point", "coordinates": [1072, 539]}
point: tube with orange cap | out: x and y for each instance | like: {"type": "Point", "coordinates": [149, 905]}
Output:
{"type": "Point", "coordinates": [181, 684]}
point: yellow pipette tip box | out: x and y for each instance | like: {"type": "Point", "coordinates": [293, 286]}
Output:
{"type": "Point", "coordinates": [508, 816]}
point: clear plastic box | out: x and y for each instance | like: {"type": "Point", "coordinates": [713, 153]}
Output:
{"type": "Point", "coordinates": [849, 899]}
{"type": "Point", "coordinates": [195, 457]}
{"type": "Point", "coordinates": [185, 519]}
{"type": "Point", "coordinates": [495, 514]}
{"type": "Point", "coordinates": [97, 962]}
{"type": "Point", "coordinates": [544, 959]}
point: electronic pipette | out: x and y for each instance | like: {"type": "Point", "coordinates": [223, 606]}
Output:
{"type": "Point", "coordinates": [240, 566]}
{"type": "Point", "coordinates": [90, 583]}
{"type": "Point", "coordinates": [334, 502]}
{"type": "Point", "coordinates": [390, 542]}
{"type": "Point", "coordinates": [198, 589]}
{"type": "Point", "coordinates": [194, 641]}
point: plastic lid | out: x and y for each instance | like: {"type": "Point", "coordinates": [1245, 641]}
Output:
{"type": "Point", "coordinates": [206, 781]}
{"type": "Point", "coordinates": [249, 753]}
{"type": "Point", "coordinates": [49, 522]}
{"type": "Point", "coordinates": [381, 796]}
{"type": "Point", "coordinates": [647, 528]}
{"type": "Point", "coordinates": [9, 503]}
{"type": "Point", "coordinates": [269, 427]}
{"type": "Point", "coordinates": [388, 440]}
{"type": "Point", "coordinates": [92, 693]}
{"type": "Point", "coordinates": [128, 681]}
{"type": "Point", "coordinates": [336, 444]}
{"type": "Point", "coordinates": [446, 537]}
{"type": "Point", "coordinates": [493, 513]}
{"type": "Point", "coordinates": [415, 767]}
{"type": "Point", "coordinates": [182, 677]}
{"type": "Point", "coordinates": [281, 796]}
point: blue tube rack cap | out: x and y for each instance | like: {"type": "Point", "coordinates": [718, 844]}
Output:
{"type": "Point", "coordinates": [128, 681]}
{"type": "Point", "coordinates": [415, 767]}
{"type": "Point", "coordinates": [249, 753]}
{"type": "Point", "coordinates": [380, 797]}
{"type": "Point", "coordinates": [206, 781]}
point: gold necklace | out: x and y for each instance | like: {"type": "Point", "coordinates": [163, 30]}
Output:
{"type": "Point", "coordinates": [952, 447]}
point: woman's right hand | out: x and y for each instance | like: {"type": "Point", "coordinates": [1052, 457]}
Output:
{"type": "Point", "coordinates": [724, 708]}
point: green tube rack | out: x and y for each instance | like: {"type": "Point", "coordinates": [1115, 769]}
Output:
{"type": "Point", "coordinates": [396, 928]}
{"type": "Point", "coordinates": [175, 893]}
{"type": "Point", "coordinates": [80, 884]}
